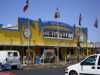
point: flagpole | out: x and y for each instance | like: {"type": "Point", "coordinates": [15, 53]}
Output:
{"type": "Point", "coordinates": [97, 32]}
{"type": "Point", "coordinates": [96, 27]}
{"type": "Point", "coordinates": [78, 40]}
{"type": "Point", "coordinates": [78, 44]}
{"type": "Point", "coordinates": [28, 35]}
{"type": "Point", "coordinates": [29, 40]}
{"type": "Point", "coordinates": [56, 16]}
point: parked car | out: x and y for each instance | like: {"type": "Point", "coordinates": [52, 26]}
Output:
{"type": "Point", "coordinates": [9, 59]}
{"type": "Point", "coordinates": [89, 66]}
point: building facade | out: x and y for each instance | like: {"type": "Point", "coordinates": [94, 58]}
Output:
{"type": "Point", "coordinates": [33, 37]}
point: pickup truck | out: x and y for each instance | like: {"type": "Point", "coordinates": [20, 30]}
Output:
{"type": "Point", "coordinates": [10, 59]}
{"type": "Point", "coordinates": [89, 66]}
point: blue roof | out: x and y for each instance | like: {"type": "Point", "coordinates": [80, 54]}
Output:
{"type": "Point", "coordinates": [56, 23]}
{"type": "Point", "coordinates": [46, 23]}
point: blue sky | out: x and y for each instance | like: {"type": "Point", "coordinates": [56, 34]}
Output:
{"type": "Point", "coordinates": [44, 9]}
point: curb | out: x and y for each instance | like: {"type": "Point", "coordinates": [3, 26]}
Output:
{"type": "Point", "coordinates": [41, 66]}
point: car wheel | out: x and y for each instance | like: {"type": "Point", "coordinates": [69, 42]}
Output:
{"type": "Point", "coordinates": [73, 73]}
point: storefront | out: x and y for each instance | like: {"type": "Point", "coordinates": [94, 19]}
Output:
{"type": "Point", "coordinates": [38, 38]}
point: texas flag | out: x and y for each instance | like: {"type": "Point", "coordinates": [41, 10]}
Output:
{"type": "Point", "coordinates": [26, 6]}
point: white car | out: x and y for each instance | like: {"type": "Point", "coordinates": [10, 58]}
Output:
{"type": "Point", "coordinates": [88, 66]}
{"type": "Point", "coordinates": [10, 59]}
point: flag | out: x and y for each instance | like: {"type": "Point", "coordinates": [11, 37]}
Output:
{"type": "Point", "coordinates": [57, 13]}
{"type": "Point", "coordinates": [96, 23]}
{"type": "Point", "coordinates": [40, 24]}
{"type": "Point", "coordinates": [26, 6]}
{"type": "Point", "coordinates": [80, 19]}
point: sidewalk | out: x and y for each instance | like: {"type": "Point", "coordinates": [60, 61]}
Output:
{"type": "Point", "coordinates": [40, 66]}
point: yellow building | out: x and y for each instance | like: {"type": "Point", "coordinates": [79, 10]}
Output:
{"type": "Point", "coordinates": [34, 36]}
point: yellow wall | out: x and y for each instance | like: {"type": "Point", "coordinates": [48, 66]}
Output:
{"type": "Point", "coordinates": [11, 37]}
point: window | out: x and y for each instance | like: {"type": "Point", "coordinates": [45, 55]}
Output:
{"type": "Point", "coordinates": [46, 34]}
{"type": "Point", "coordinates": [70, 35]}
{"type": "Point", "coordinates": [10, 54]}
{"type": "Point", "coordinates": [60, 34]}
{"type": "Point", "coordinates": [89, 61]}
{"type": "Point", "coordinates": [55, 34]}
{"type": "Point", "coordinates": [50, 34]}
{"type": "Point", "coordinates": [15, 54]}
{"type": "Point", "coordinates": [99, 61]}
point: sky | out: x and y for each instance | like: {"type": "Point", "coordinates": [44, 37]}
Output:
{"type": "Point", "coordinates": [69, 10]}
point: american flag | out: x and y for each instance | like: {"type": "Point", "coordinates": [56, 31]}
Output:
{"type": "Point", "coordinates": [96, 23]}
{"type": "Point", "coordinates": [80, 19]}
{"type": "Point", "coordinates": [57, 13]}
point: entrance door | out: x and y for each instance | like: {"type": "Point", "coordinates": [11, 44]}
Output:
{"type": "Point", "coordinates": [48, 56]}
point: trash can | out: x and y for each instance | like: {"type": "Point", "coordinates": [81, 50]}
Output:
{"type": "Point", "coordinates": [37, 60]}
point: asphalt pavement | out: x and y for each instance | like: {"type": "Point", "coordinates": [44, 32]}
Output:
{"type": "Point", "coordinates": [43, 71]}
{"type": "Point", "coordinates": [46, 69]}
{"type": "Point", "coordinates": [42, 66]}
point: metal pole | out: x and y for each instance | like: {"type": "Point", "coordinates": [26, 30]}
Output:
{"type": "Point", "coordinates": [57, 15]}
{"type": "Point", "coordinates": [57, 55]}
{"type": "Point", "coordinates": [29, 40]}
{"type": "Point", "coordinates": [78, 45]}
{"type": "Point", "coordinates": [87, 47]}
{"type": "Point", "coordinates": [57, 46]}
{"type": "Point", "coordinates": [78, 48]}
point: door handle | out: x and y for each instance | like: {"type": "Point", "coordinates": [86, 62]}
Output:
{"type": "Point", "coordinates": [93, 67]}
{"type": "Point", "coordinates": [98, 67]}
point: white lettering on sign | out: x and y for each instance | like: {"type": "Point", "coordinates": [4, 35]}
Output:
{"type": "Point", "coordinates": [59, 35]}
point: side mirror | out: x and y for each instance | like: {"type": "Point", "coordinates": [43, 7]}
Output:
{"type": "Point", "coordinates": [81, 63]}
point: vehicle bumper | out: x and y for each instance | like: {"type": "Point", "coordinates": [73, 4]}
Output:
{"type": "Point", "coordinates": [66, 73]}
